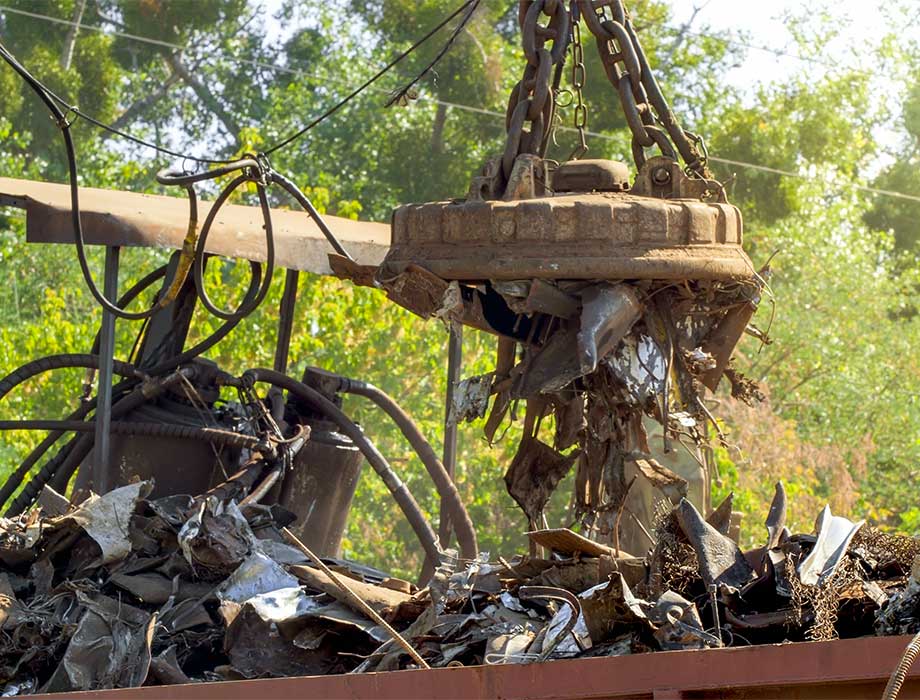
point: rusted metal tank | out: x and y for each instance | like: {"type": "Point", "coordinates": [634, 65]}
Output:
{"type": "Point", "coordinates": [320, 488]}
{"type": "Point", "coordinates": [853, 669]}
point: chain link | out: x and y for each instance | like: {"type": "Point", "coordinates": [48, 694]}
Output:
{"type": "Point", "coordinates": [647, 112]}
{"type": "Point", "coordinates": [532, 105]}
{"type": "Point", "coordinates": [578, 83]}
{"type": "Point", "coordinates": [532, 99]}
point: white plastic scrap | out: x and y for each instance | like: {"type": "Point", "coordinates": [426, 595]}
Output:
{"type": "Point", "coordinates": [834, 535]}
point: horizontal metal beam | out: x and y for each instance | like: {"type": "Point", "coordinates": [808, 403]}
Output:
{"type": "Point", "coordinates": [128, 219]}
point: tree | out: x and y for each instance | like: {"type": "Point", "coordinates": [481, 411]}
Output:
{"type": "Point", "coordinates": [841, 372]}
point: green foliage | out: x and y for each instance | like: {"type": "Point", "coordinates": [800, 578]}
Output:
{"type": "Point", "coordinates": [841, 373]}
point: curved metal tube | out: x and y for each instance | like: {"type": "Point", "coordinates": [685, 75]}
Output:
{"type": "Point", "coordinates": [459, 517]}
{"type": "Point", "coordinates": [246, 306]}
{"type": "Point", "coordinates": [65, 360]}
{"type": "Point", "coordinates": [397, 488]}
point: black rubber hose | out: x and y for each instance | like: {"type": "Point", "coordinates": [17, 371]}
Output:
{"type": "Point", "coordinates": [246, 306]}
{"type": "Point", "coordinates": [48, 471]}
{"type": "Point", "coordinates": [66, 360]}
{"type": "Point", "coordinates": [79, 241]}
{"type": "Point", "coordinates": [308, 207]}
{"type": "Point", "coordinates": [169, 430]}
{"type": "Point", "coordinates": [466, 533]}
{"type": "Point", "coordinates": [397, 488]}
{"type": "Point", "coordinates": [211, 340]}
{"type": "Point", "coordinates": [15, 479]}
{"type": "Point", "coordinates": [135, 291]}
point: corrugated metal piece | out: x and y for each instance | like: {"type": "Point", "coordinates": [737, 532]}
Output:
{"type": "Point", "coordinates": [112, 217]}
{"type": "Point", "coordinates": [851, 669]}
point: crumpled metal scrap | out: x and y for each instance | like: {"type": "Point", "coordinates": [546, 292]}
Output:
{"type": "Point", "coordinates": [154, 614]}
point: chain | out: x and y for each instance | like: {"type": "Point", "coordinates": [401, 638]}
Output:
{"type": "Point", "coordinates": [647, 112]}
{"type": "Point", "coordinates": [532, 101]}
{"type": "Point", "coordinates": [578, 84]}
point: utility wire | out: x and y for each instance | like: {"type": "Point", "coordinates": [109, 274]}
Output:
{"type": "Point", "coordinates": [469, 4]}
{"type": "Point", "coordinates": [477, 110]}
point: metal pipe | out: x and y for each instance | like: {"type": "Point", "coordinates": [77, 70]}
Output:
{"type": "Point", "coordinates": [397, 488]}
{"type": "Point", "coordinates": [454, 365]}
{"type": "Point", "coordinates": [107, 359]}
{"type": "Point", "coordinates": [286, 320]}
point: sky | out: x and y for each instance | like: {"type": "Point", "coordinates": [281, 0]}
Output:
{"type": "Point", "coordinates": [762, 21]}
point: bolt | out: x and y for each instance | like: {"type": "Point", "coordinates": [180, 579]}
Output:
{"type": "Point", "coordinates": [661, 176]}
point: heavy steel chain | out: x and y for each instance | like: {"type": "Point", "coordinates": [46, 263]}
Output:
{"type": "Point", "coordinates": [532, 102]}
{"type": "Point", "coordinates": [578, 83]}
{"type": "Point", "coordinates": [647, 112]}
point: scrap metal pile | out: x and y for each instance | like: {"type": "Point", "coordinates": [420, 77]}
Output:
{"type": "Point", "coordinates": [123, 591]}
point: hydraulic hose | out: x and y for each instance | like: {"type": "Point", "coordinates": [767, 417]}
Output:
{"type": "Point", "coordinates": [211, 340]}
{"type": "Point", "coordinates": [466, 533]}
{"type": "Point", "coordinates": [79, 241]}
{"type": "Point", "coordinates": [66, 360]}
{"type": "Point", "coordinates": [899, 674]}
{"type": "Point", "coordinates": [308, 207]}
{"type": "Point", "coordinates": [167, 430]}
{"type": "Point", "coordinates": [15, 479]}
{"type": "Point", "coordinates": [246, 306]}
{"type": "Point", "coordinates": [135, 291]}
{"type": "Point", "coordinates": [397, 488]}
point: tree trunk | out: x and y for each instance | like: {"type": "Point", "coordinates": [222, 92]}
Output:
{"type": "Point", "coordinates": [437, 129]}
{"type": "Point", "coordinates": [71, 41]}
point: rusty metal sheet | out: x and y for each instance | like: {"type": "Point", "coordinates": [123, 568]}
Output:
{"type": "Point", "coordinates": [111, 217]}
{"type": "Point", "coordinates": [565, 541]}
{"type": "Point", "coordinates": [852, 668]}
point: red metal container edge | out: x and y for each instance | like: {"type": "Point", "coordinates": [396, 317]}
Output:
{"type": "Point", "coordinates": [839, 670]}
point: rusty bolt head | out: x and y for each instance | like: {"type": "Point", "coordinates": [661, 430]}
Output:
{"type": "Point", "coordinates": [661, 176]}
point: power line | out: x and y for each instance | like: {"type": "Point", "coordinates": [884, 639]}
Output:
{"type": "Point", "coordinates": [470, 5]}
{"type": "Point", "coordinates": [488, 112]}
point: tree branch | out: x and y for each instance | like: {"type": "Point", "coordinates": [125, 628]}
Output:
{"type": "Point", "coordinates": [71, 41]}
{"type": "Point", "coordinates": [140, 106]}
{"type": "Point", "coordinates": [206, 96]}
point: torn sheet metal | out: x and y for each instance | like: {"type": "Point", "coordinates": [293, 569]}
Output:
{"type": "Point", "coordinates": [216, 538]}
{"type": "Point", "coordinates": [257, 574]}
{"type": "Point", "coordinates": [678, 625]}
{"type": "Point", "coordinates": [109, 649]}
{"type": "Point", "coordinates": [538, 296]}
{"type": "Point", "coordinates": [534, 474]}
{"type": "Point", "coordinates": [470, 399]}
{"type": "Point", "coordinates": [776, 518]}
{"type": "Point", "coordinates": [834, 535]}
{"type": "Point", "coordinates": [640, 363]}
{"type": "Point", "coordinates": [383, 600]}
{"type": "Point", "coordinates": [721, 562]}
{"type": "Point", "coordinates": [569, 543]}
{"type": "Point", "coordinates": [105, 518]}
{"type": "Point", "coordinates": [607, 314]}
